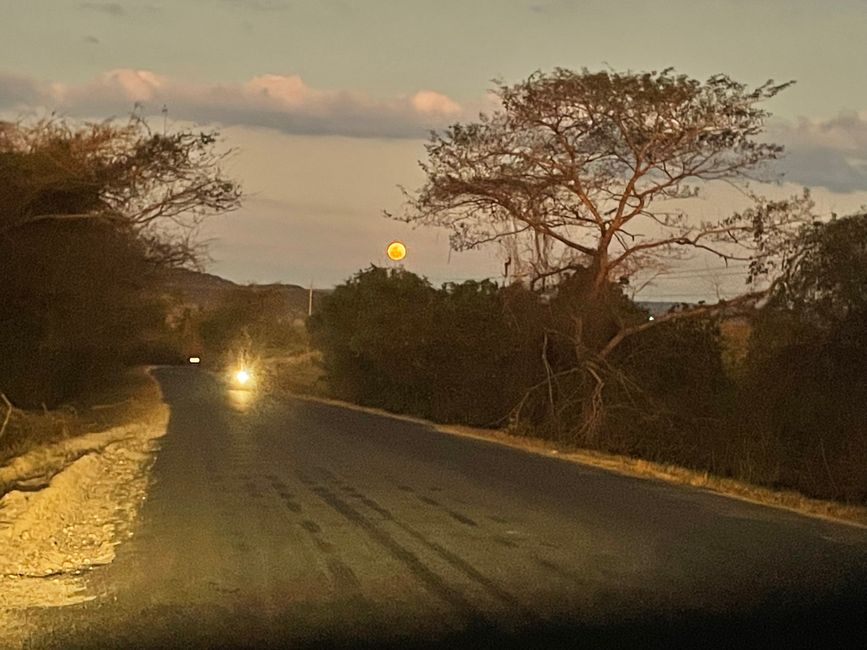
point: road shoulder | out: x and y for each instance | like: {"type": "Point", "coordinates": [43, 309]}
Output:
{"type": "Point", "coordinates": [635, 467]}
{"type": "Point", "coordinates": [67, 504]}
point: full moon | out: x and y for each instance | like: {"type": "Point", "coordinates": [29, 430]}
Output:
{"type": "Point", "coordinates": [396, 251]}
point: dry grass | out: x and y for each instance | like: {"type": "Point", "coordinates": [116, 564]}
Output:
{"type": "Point", "coordinates": [128, 398]}
{"type": "Point", "coordinates": [640, 468]}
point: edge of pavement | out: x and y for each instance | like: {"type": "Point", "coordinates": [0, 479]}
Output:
{"type": "Point", "coordinates": [67, 504]}
{"type": "Point", "coordinates": [789, 500]}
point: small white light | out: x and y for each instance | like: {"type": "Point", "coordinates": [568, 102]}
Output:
{"type": "Point", "coordinates": [195, 360]}
{"type": "Point", "coordinates": [650, 318]}
{"type": "Point", "coordinates": [242, 376]}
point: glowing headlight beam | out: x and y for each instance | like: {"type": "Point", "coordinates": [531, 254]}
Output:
{"type": "Point", "coordinates": [242, 376]}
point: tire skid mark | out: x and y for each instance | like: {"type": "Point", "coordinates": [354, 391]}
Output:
{"type": "Point", "coordinates": [344, 577]}
{"type": "Point", "coordinates": [469, 570]}
{"type": "Point", "coordinates": [322, 545]}
{"type": "Point", "coordinates": [326, 474]}
{"type": "Point", "coordinates": [431, 580]}
{"type": "Point", "coordinates": [563, 573]}
{"type": "Point", "coordinates": [505, 541]}
{"type": "Point", "coordinates": [348, 489]}
{"type": "Point", "coordinates": [345, 580]}
{"type": "Point", "coordinates": [457, 516]}
{"type": "Point", "coordinates": [466, 521]}
{"type": "Point", "coordinates": [252, 489]}
{"type": "Point", "coordinates": [454, 560]}
{"type": "Point", "coordinates": [283, 490]}
{"type": "Point", "coordinates": [306, 480]}
{"type": "Point", "coordinates": [311, 526]}
{"type": "Point", "coordinates": [373, 505]}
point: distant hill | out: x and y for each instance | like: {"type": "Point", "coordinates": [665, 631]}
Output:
{"type": "Point", "coordinates": [204, 291]}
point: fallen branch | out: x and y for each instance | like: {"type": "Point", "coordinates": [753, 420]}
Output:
{"type": "Point", "coordinates": [9, 410]}
{"type": "Point", "coordinates": [100, 407]}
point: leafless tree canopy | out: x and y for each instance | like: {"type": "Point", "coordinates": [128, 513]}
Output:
{"type": "Point", "coordinates": [583, 175]}
{"type": "Point", "coordinates": [585, 170]}
{"type": "Point", "coordinates": [159, 184]}
{"type": "Point", "coordinates": [90, 214]}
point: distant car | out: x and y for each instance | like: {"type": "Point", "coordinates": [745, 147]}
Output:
{"type": "Point", "coordinates": [241, 379]}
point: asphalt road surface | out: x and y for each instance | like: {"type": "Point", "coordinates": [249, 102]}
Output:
{"type": "Point", "coordinates": [277, 521]}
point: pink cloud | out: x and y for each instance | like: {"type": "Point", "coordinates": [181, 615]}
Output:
{"type": "Point", "coordinates": [122, 83]}
{"type": "Point", "coordinates": [432, 102]}
{"type": "Point", "coordinates": [290, 91]}
{"type": "Point", "coordinates": [283, 102]}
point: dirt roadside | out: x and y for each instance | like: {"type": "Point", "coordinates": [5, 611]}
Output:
{"type": "Point", "coordinates": [65, 504]}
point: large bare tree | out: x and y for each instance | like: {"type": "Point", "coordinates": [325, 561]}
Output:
{"type": "Point", "coordinates": [585, 172]}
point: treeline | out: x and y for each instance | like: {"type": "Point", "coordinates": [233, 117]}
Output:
{"type": "Point", "coordinates": [792, 413]}
{"type": "Point", "coordinates": [251, 320]}
{"type": "Point", "coordinates": [90, 217]}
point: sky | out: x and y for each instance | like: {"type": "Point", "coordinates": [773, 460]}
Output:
{"type": "Point", "coordinates": [328, 102]}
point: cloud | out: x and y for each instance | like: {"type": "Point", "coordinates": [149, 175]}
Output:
{"type": "Point", "coordinates": [434, 103]}
{"type": "Point", "coordinates": [283, 102]}
{"type": "Point", "coordinates": [829, 153]}
{"type": "Point", "coordinates": [549, 6]}
{"type": "Point", "coordinates": [117, 10]}
{"type": "Point", "coordinates": [17, 91]}
{"type": "Point", "coordinates": [110, 8]}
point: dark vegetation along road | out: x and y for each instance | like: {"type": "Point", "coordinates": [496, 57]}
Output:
{"type": "Point", "coordinates": [278, 520]}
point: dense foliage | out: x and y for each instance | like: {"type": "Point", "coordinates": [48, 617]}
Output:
{"type": "Point", "coordinates": [89, 215]}
{"type": "Point", "coordinates": [807, 385]}
{"type": "Point", "coordinates": [793, 415]}
{"type": "Point", "coordinates": [582, 173]}
{"type": "Point", "coordinates": [482, 354]}
{"type": "Point", "coordinates": [457, 353]}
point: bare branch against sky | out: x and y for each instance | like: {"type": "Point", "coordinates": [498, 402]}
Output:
{"type": "Point", "coordinates": [308, 72]}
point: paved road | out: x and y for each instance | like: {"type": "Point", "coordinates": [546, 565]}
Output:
{"type": "Point", "coordinates": [286, 521]}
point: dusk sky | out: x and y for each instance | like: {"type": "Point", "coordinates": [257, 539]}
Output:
{"type": "Point", "coordinates": [329, 101]}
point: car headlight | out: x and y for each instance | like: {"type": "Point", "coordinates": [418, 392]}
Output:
{"type": "Point", "coordinates": [242, 377]}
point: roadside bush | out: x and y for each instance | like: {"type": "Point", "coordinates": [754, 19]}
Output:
{"type": "Point", "coordinates": [485, 354]}
{"type": "Point", "coordinates": [457, 354]}
{"type": "Point", "coordinates": [75, 305]}
{"type": "Point", "coordinates": [248, 317]}
{"type": "Point", "coordinates": [89, 212]}
{"type": "Point", "coordinates": [375, 334]}
{"type": "Point", "coordinates": [806, 392]}
{"type": "Point", "coordinates": [805, 389]}
{"type": "Point", "coordinates": [791, 412]}
{"type": "Point", "coordinates": [670, 395]}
